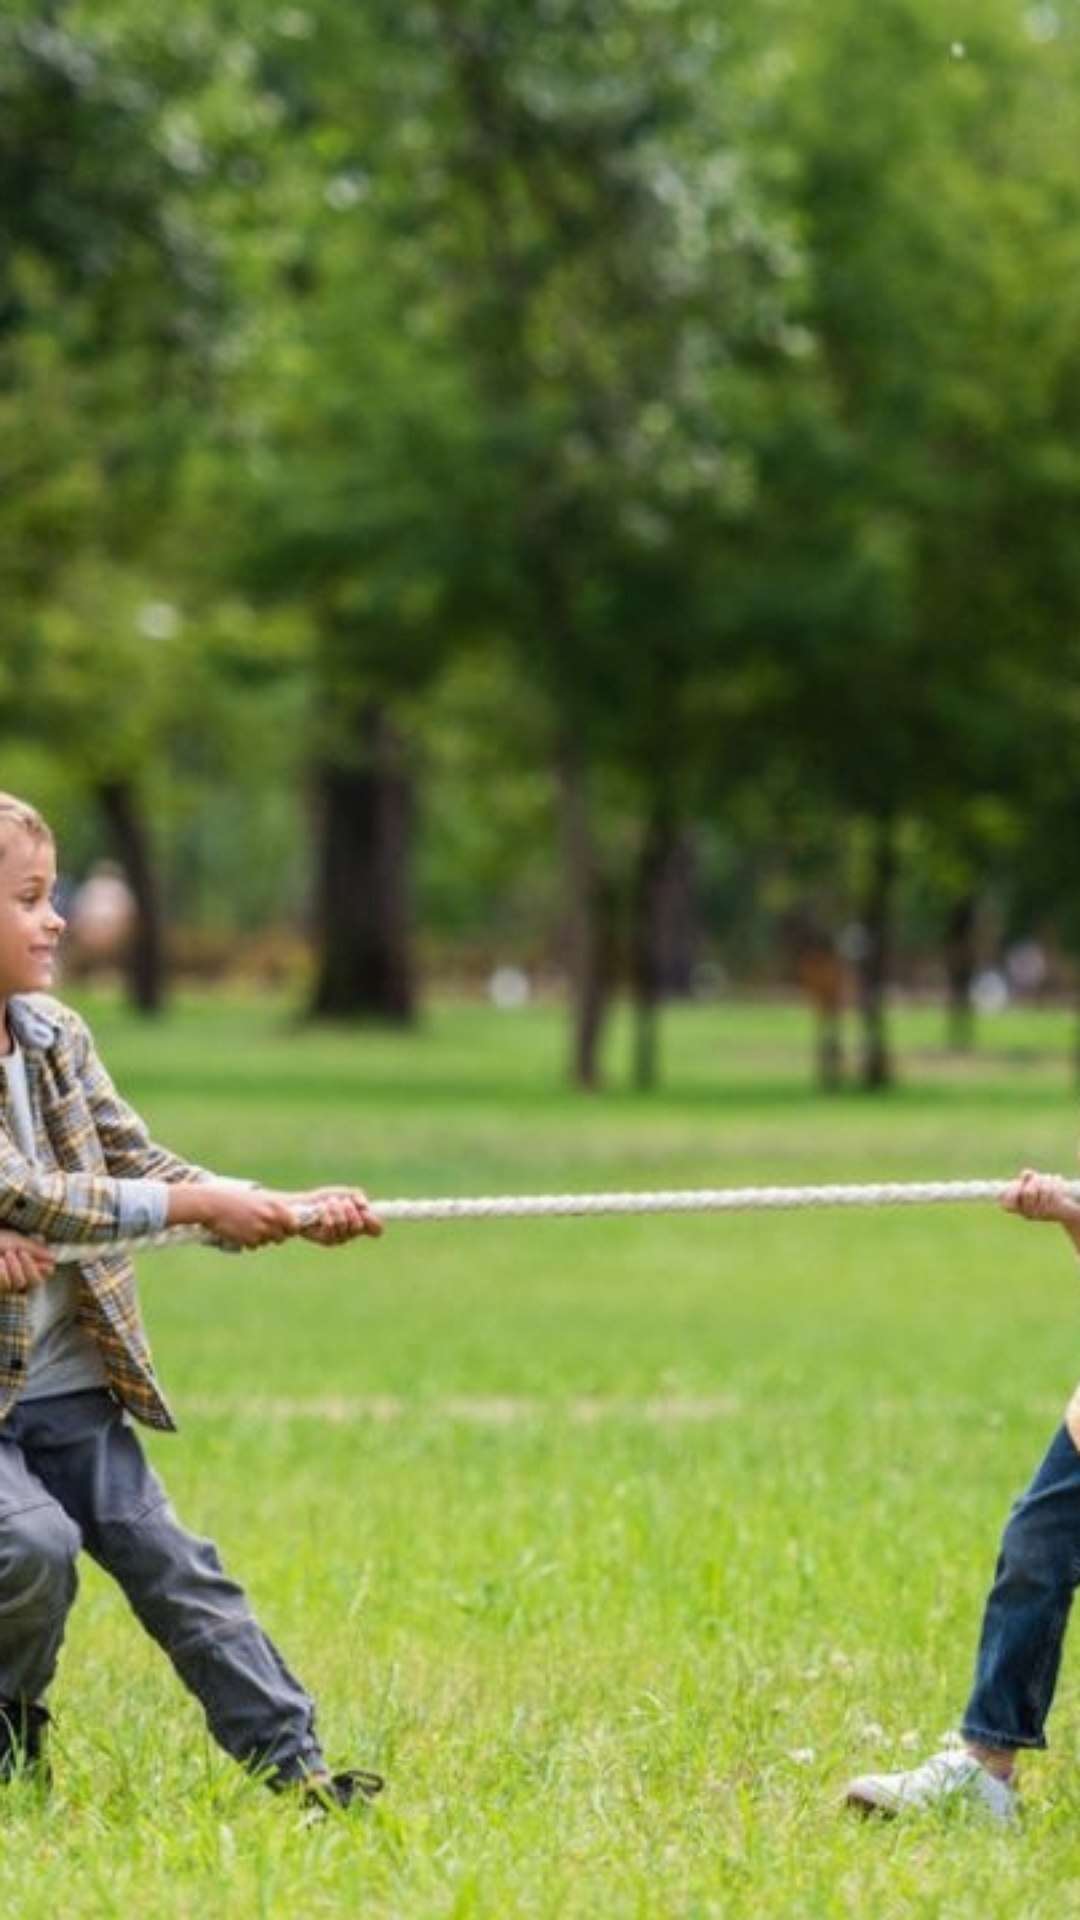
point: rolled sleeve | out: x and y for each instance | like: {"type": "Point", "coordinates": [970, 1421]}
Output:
{"type": "Point", "coordinates": [144, 1206]}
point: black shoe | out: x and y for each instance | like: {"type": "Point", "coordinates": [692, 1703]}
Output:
{"type": "Point", "coordinates": [343, 1790]}
{"type": "Point", "coordinates": [23, 1734]}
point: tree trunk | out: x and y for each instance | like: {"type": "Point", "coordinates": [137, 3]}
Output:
{"type": "Point", "coordinates": [960, 962]}
{"type": "Point", "coordinates": [363, 904]}
{"type": "Point", "coordinates": [659, 894]}
{"type": "Point", "coordinates": [678, 927]}
{"type": "Point", "coordinates": [829, 1050]}
{"type": "Point", "coordinates": [875, 961]}
{"type": "Point", "coordinates": [820, 974]}
{"type": "Point", "coordinates": [588, 925]}
{"type": "Point", "coordinates": [145, 964]}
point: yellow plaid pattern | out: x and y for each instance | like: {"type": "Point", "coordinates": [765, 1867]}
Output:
{"type": "Point", "coordinates": [88, 1141]}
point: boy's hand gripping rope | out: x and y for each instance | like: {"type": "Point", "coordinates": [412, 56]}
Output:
{"type": "Point", "coordinates": [576, 1205]}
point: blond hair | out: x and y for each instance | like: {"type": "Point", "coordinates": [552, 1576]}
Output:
{"type": "Point", "coordinates": [19, 815]}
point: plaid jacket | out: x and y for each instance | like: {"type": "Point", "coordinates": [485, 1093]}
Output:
{"type": "Point", "coordinates": [90, 1146]}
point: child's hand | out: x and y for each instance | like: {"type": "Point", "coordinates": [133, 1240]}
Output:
{"type": "Point", "coordinates": [24, 1264]}
{"type": "Point", "coordinates": [343, 1214]}
{"type": "Point", "coordinates": [246, 1216]}
{"type": "Point", "coordinates": [1040, 1196]}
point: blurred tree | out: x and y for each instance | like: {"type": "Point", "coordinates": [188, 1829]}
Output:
{"type": "Point", "coordinates": [709, 383]}
{"type": "Point", "coordinates": [612, 274]}
{"type": "Point", "coordinates": [346, 434]}
{"type": "Point", "coordinates": [933, 512]}
{"type": "Point", "coordinates": [110, 312]}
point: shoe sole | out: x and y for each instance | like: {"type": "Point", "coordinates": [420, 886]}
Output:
{"type": "Point", "coordinates": [874, 1810]}
{"type": "Point", "coordinates": [868, 1809]}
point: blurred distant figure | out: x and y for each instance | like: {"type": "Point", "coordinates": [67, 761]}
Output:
{"type": "Point", "coordinates": [823, 977]}
{"type": "Point", "coordinates": [1026, 967]}
{"type": "Point", "coordinates": [101, 921]}
{"type": "Point", "coordinates": [508, 987]}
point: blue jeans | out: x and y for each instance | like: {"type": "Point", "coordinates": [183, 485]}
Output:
{"type": "Point", "coordinates": [73, 1475]}
{"type": "Point", "coordinates": [1028, 1607]}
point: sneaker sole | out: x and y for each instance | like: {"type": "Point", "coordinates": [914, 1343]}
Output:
{"type": "Point", "coordinates": [868, 1809]}
{"type": "Point", "coordinates": [875, 1810]}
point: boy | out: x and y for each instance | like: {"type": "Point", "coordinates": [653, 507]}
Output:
{"type": "Point", "coordinates": [1026, 1611]}
{"type": "Point", "coordinates": [77, 1165]}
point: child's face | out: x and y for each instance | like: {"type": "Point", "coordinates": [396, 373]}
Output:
{"type": "Point", "coordinates": [30, 926]}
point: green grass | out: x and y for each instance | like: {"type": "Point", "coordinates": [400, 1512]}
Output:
{"type": "Point", "coordinates": [618, 1544]}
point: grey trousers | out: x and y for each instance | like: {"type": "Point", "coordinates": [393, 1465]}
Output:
{"type": "Point", "coordinates": [72, 1475]}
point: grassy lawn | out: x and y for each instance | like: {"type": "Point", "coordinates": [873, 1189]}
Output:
{"type": "Point", "coordinates": [617, 1544]}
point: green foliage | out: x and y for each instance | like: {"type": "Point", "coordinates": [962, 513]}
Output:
{"type": "Point", "coordinates": [932, 183]}
{"type": "Point", "coordinates": [111, 314]}
{"type": "Point", "coordinates": [720, 372]}
{"type": "Point", "coordinates": [486, 871]}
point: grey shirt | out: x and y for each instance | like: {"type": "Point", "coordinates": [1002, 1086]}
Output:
{"type": "Point", "coordinates": [63, 1356]}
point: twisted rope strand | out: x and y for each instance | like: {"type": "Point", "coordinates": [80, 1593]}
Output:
{"type": "Point", "coordinates": [578, 1205]}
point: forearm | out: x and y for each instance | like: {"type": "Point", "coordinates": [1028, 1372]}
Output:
{"type": "Point", "coordinates": [240, 1215]}
{"type": "Point", "coordinates": [189, 1203]}
{"type": "Point", "coordinates": [236, 1215]}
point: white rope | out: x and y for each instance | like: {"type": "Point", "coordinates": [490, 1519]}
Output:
{"type": "Point", "coordinates": [574, 1205]}
{"type": "Point", "coordinates": [697, 1200]}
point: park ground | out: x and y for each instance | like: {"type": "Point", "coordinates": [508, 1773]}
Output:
{"type": "Point", "coordinates": [617, 1544]}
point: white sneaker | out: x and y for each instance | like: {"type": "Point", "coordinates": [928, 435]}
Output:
{"type": "Point", "coordinates": [954, 1774]}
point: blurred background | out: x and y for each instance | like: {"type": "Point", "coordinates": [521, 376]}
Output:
{"type": "Point", "coordinates": [575, 500]}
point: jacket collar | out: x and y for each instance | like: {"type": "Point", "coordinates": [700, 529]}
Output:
{"type": "Point", "coordinates": [34, 1026]}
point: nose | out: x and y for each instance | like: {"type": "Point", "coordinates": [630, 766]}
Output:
{"type": "Point", "coordinates": [56, 922]}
